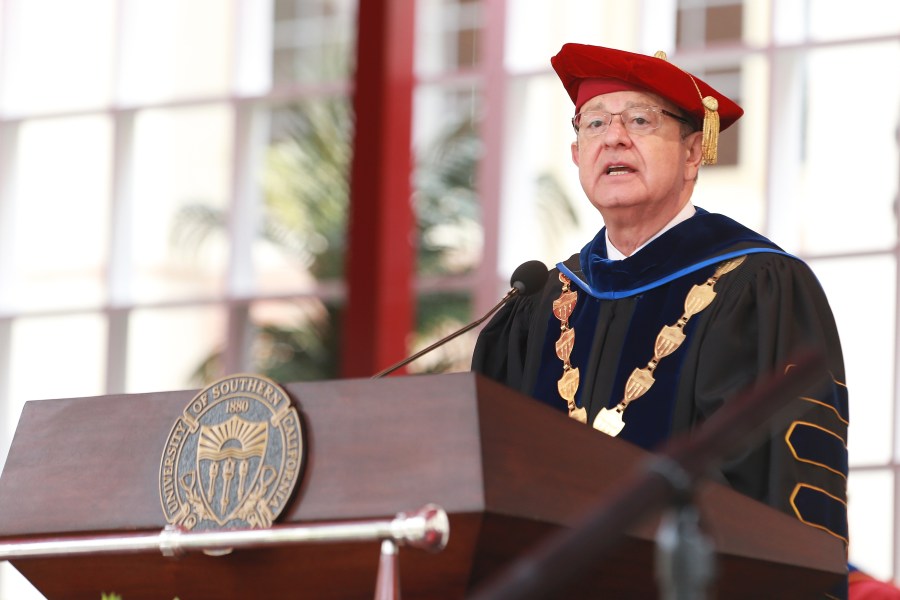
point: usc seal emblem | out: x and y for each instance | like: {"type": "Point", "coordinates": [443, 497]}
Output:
{"type": "Point", "coordinates": [233, 457]}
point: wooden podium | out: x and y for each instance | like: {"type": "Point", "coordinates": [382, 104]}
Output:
{"type": "Point", "coordinates": [508, 471]}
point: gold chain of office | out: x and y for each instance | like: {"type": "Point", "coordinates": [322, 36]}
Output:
{"type": "Point", "coordinates": [669, 339]}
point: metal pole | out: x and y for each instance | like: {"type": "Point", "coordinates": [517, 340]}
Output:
{"type": "Point", "coordinates": [387, 586]}
{"type": "Point", "coordinates": [427, 529]}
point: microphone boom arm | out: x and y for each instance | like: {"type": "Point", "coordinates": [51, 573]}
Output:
{"type": "Point", "coordinates": [509, 295]}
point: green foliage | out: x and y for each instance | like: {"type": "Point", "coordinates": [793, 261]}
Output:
{"type": "Point", "coordinates": [305, 183]}
{"type": "Point", "coordinates": [445, 200]}
{"type": "Point", "coordinates": [557, 215]}
{"type": "Point", "coordinates": [305, 189]}
{"type": "Point", "coordinates": [299, 354]}
{"type": "Point", "coordinates": [438, 315]}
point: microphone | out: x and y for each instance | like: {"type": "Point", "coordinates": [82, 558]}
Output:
{"type": "Point", "coordinates": [528, 278]}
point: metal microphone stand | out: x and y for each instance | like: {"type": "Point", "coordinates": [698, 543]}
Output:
{"type": "Point", "coordinates": [512, 292]}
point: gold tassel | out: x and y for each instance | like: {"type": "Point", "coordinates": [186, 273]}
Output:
{"type": "Point", "coordinates": [710, 147]}
{"type": "Point", "coordinates": [710, 144]}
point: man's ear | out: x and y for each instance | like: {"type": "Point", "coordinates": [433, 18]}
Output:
{"type": "Point", "coordinates": [694, 155]}
{"type": "Point", "coordinates": [575, 152]}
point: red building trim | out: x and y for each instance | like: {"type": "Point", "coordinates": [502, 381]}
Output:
{"type": "Point", "coordinates": [381, 256]}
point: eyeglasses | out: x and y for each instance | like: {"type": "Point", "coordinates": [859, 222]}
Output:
{"type": "Point", "coordinates": [637, 119]}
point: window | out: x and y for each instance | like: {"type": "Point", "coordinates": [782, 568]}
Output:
{"type": "Point", "coordinates": [177, 171]}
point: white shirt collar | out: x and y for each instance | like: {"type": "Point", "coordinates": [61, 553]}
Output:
{"type": "Point", "coordinates": [683, 215]}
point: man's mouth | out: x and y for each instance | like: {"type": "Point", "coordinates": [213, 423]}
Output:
{"type": "Point", "coordinates": [618, 170]}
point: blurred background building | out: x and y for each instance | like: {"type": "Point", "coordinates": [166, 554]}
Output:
{"type": "Point", "coordinates": [174, 185]}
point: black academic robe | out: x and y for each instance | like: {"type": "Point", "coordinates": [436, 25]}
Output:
{"type": "Point", "coordinates": [763, 313]}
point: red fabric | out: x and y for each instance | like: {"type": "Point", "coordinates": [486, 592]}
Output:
{"type": "Point", "coordinates": [866, 587]}
{"type": "Point", "coordinates": [578, 64]}
{"type": "Point", "coordinates": [588, 88]}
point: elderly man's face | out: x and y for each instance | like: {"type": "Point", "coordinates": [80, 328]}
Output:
{"type": "Point", "coordinates": [622, 170]}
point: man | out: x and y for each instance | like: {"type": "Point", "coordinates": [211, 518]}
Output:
{"type": "Point", "coordinates": [670, 311]}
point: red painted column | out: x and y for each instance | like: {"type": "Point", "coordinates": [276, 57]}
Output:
{"type": "Point", "coordinates": [381, 238]}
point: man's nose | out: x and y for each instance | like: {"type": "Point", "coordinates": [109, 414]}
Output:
{"type": "Point", "coordinates": [616, 133]}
